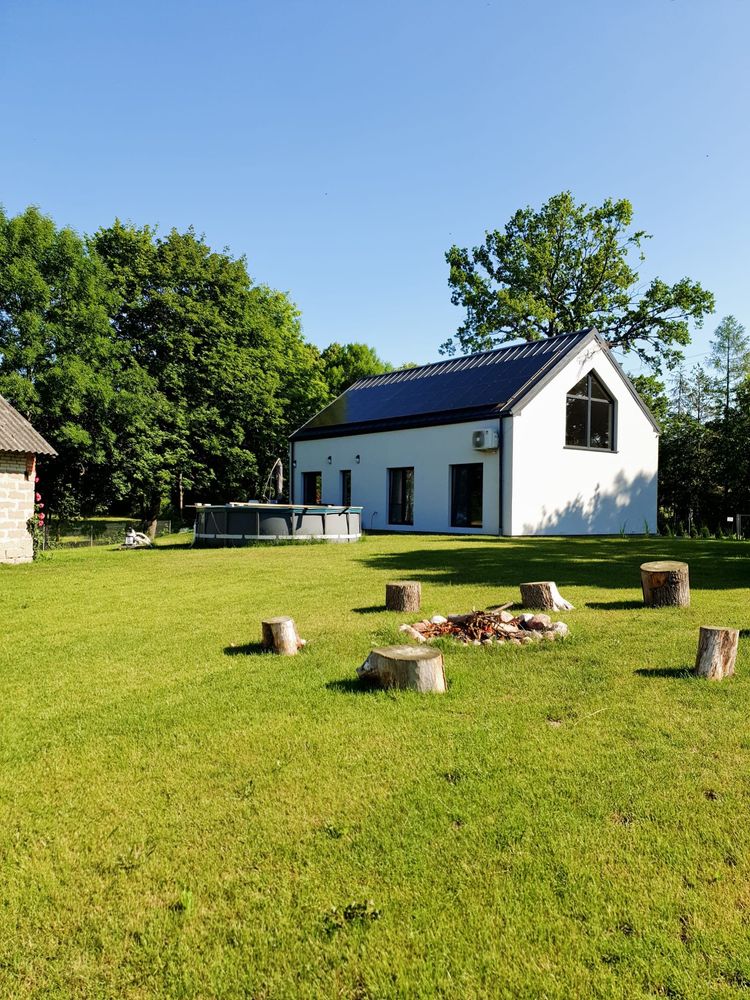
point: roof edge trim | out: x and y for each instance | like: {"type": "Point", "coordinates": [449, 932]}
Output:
{"type": "Point", "coordinates": [400, 424]}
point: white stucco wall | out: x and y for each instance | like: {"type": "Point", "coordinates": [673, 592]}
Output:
{"type": "Point", "coordinates": [430, 450]}
{"type": "Point", "coordinates": [568, 491]}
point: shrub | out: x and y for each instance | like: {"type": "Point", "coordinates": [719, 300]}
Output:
{"type": "Point", "coordinates": [35, 525]}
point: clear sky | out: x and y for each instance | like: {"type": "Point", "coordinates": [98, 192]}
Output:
{"type": "Point", "coordinates": [343, 146]}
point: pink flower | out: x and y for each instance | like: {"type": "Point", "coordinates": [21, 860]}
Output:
{"type": "Point", "coordinates": [36, 479]}
{"type": "Point", "coordinates": [40, 505]}
{"type": "Point", "coordinates": [41, 518]}
{"type": "Point", "coordinates": [37, 497]}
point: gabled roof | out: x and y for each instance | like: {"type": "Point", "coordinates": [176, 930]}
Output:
{"type": "Point", "coordinates": [17, 434]}
{"type": "Point", "coordinates": [476, 387]}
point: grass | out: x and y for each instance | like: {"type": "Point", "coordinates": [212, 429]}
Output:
{"type": "Point", "coordinates": [184, 816]}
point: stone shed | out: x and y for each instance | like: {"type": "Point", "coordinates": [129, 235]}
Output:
{"type": "Point", "coordinates": [19, 446]}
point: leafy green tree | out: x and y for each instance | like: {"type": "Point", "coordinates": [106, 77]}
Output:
{"type": "Point", "coordinates": [700, 395]}
{"type": "Point", "coordinates": [730, 359]}
{"type": "Point", "coordinates": [654, 394]}
{"type": "Point", "coordinates": [739, 465]}
{"type": "Point", "coordinates": [679, 389]}
{"type": "Point", "coordinates": [686, 480]}
{"type": "Point", "coordinates": [343, 364]}
{"type": "Point", "coordinates": [145, 447]}
{"type": "Point", "coordinates": [228, 358]}
{"type": "Point", "coordinates": [704, 468]}
{"type": "Point", "coordinates": [153, 365]}
{"type": "Point", "coordinates": [57, 356]}
{"type": "Point", "coordinates": [562, 268]}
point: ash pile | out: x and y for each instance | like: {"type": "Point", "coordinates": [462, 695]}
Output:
{"type": "Point", "coordinates": [484, 628]}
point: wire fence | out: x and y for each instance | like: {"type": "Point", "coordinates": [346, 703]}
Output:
{"type": "Point", "coordinates": [75, 534]}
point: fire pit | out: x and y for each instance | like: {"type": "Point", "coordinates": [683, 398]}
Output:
{"type": "Point", "coordinates": [484, 628]}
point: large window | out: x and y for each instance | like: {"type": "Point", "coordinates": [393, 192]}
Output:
{"type": "Point", "coordinates": [311, 487]}
{"type": "Point", "coordinates": [401, 496]}
{"type": "Point", "coordinates": [466, 495]}
{"type": "Point", "coordinates": [346, 487]}
{"type": "Point", "coordinates": [590, 413]}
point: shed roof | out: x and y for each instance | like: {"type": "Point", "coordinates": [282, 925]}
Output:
{"type": "Point", "coordinates": [17, 434]}
{"type": "Point", "coordinates": [474, 387]}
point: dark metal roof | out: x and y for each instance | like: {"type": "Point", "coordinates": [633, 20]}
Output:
{"type": "Point", "coordinates": [474, 387]}
{"type": "Point", "coordinates": [17, 434]}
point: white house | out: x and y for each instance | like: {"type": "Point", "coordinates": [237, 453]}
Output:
{"type": "Point", "coordinates": [546, 438]}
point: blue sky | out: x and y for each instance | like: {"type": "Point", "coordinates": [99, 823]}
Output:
{"type": "Point", "coordinates": [344, 146]}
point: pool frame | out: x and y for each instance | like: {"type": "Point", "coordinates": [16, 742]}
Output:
{"type": "Point", "coordinates": [243, 523]}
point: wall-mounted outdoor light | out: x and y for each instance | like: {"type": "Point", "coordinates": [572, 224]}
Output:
{"type": "Point", "coordinates": [329, 459]}
{"type": "Point", "coordinates": [356, 459]}
{"type": "Point", "coordinates": [294, 464]}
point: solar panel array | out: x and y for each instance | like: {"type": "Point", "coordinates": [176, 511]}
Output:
{"type": "Point", "coordinates": [492, 379]}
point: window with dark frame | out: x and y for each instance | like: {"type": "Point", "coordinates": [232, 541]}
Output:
{"type": "Point", "coordinates": [590, 415]}
{"type": "Point", "coordinates": [311, 487]}
{"type": "Point", "coordinates": [466, 495]}
{"type": "Point", "coordinates": [346, 487]}
{"type": "Point", "coordinates": [401, 496]}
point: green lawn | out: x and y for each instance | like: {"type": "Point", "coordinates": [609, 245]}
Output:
{"type": "Point", "coordinates": [183, 816]}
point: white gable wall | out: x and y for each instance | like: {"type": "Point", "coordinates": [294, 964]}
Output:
{"type": "Point", "coordinates": [577, 491]}
{"type": "Point", "coordinates": [430, 450]}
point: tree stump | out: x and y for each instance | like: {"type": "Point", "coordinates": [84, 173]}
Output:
{"type": "Point", "coordinates": [717, 651]}
{"type": "Point", "coordinates": [544, 595]}
{"type": "Point", "coordinates": [415, 668]}
{"type": "Point", "coordinates": [405, 595]}
{"type": "Point", "coordinates": [665, 584]}
{"type": "Point", "coordinates": [280, 635]}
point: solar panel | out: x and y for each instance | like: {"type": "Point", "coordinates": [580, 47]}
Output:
{"type": "Point", "coordinates": [485, 381]}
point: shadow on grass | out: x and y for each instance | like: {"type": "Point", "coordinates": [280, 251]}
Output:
{"type": "Point", "coordinates": [351, 685]}
{"type": "Point", "coordinates": [614, 605]}
{"type": "Point", "coordinates": [371, 609]}
{"type": "Point", "coordinates": [247, 649]}
{"type": "Point", "coordinates": [745, 633]}
{"type": "Point", "coordinates": [610, 563]}
{"type": "Point", "coordinates": [681, 673]}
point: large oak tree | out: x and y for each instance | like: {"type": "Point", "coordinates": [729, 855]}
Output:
{"type": "Point", "coordinates": [562, 268]}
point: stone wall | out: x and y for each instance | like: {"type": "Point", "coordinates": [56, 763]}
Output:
{"type": "Point", "coordinates": [16, 506]}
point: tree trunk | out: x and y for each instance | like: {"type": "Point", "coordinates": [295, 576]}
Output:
{"type": "Point", "coordinates": [405, 595]}
{"type": "Point", "coordinates": [717, 651]}
{"type": "Point", "coordinates": [415, 668]}
{"type": "Point", "coordinates": [150, 512]}
{"type": "Point", "coordinates": [665, 584]}
{"type": "Point", "coordinates": [544, 595]}
{"type": "Point", "coordinates": [280, 635]}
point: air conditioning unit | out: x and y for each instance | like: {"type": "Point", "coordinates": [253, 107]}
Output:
{"type": "Point", "coordinates": [485, 440]}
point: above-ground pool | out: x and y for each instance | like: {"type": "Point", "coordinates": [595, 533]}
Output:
{"type": "Point", "coordinates": [240, 523]}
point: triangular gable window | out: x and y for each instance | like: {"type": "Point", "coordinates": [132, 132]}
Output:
{"type": "Point", "coordinates": [590, 415]}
